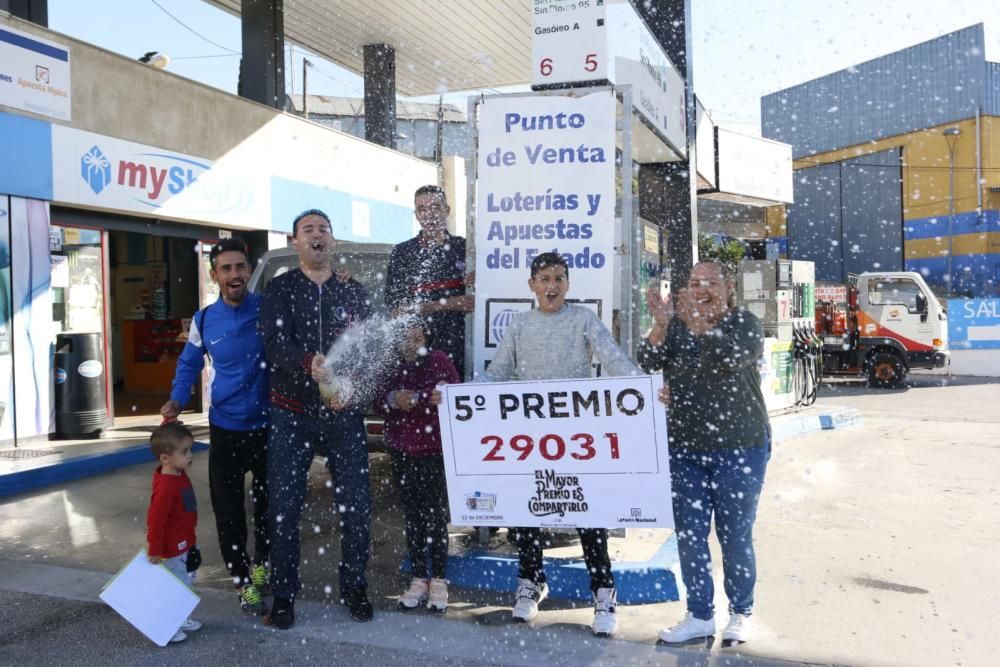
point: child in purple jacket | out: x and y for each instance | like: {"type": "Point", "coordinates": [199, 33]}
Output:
{"type": "Point", "coordinates": [413, 436]}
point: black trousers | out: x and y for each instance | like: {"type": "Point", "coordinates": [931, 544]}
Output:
{"type": "Point", "coordinates": [231, 456]}
{"type": "Point", "coordinates": [531, 542]}
{"type": "Point", "coordinates": [422, 488]}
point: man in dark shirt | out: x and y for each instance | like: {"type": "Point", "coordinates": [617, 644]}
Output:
{"type": "Point", "coordinates": [427, 274]}
{"type": "Point", "coordinates": [303, 312]}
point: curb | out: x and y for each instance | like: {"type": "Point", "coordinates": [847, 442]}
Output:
{"type": "Point", "coordinates": [636, 582]}
{"type": "Point", "coordinates": [788, 426]}
{"type": "Point", "coordinates": [78, 467]}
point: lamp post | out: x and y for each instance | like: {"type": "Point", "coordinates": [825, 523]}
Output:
{"type": "Point", "coordinates": [306, 64]}
{"type": "Point", "coordinates": [951, 136]}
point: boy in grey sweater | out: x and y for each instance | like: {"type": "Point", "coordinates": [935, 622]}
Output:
{"type": "Point", "coordinates": [558, 341]}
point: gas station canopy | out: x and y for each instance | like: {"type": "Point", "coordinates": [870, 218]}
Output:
{"type": "Point", "coordinates": [441, 45]}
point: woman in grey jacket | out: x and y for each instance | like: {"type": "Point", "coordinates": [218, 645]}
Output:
{"type": "Point", "coordinates": [719, 437]}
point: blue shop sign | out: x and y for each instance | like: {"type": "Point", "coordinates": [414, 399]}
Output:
{"type": "Point", "coordinates": [974, 324]}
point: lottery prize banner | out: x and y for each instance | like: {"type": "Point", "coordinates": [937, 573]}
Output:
{"type": "Point", "coordinates": [546, 182]}
{"type": "Point", "coordinates": [584, 453]}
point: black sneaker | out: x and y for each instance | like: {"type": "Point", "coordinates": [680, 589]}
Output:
{"type": "Point", "coordinates": [282, 613]}
{"type": "Point", "coordinates": [358, 605]}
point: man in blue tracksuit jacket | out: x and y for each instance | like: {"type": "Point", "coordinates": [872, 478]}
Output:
{"type": "Point", "coordinates": [226, 331]}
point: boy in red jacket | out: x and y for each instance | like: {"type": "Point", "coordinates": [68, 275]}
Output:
{"type": "Point", "coordinates": [173, 510]}
{"type": "Point", "coordinates": [413, 436]}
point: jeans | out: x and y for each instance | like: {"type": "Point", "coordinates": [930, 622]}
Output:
{"type": "Point", "coordinates": [178, 565]}
{"type": "Point", "coordinates": [421, 484]}
{"type": "Point", "coordinates": [232, 455]}
{"type": "Point", "coordinates": [726, 484]}
{"type": "Point", "coordinates": [292, 443]}
{"type": "Point", "coordinates": [531, 541]}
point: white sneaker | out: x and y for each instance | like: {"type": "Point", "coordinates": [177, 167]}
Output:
{"type": "Point", "coordinates": [415, 595]}
{"type": "Point", "coordinates": [191, 625]}
{"type": "Point", "coordinates": [738, 628]}
{"type": "Point", "coordinates": [437, 599]}
{"type": "Point", "coordinates": [689, 628]}
{"type": "Point", "coordinates": [605, 617]}
{"type": "Point", "coordinates": [528, 597]}
{"type": "Point", "coordinates": [179, 637]}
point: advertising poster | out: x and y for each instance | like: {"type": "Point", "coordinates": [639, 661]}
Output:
{"type": "Point", "coordinates": [582, 453]}
{"type": "Point", "coordinates": [32, 316]}
{"type": "Point", "coordinates": [546, 182]}
{"type": "Point", "coordinates": [34, 74]}
{"type": "Point", "coordinates": [6, 353]}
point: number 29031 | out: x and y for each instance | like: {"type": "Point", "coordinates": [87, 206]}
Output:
{"type": "Point", "coordinates": [551, 447]}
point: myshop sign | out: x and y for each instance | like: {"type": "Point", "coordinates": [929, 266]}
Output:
{"type": "Point", "coordinates": [151, 180]}
{"type": "Point", "coordinates": [102, 172]}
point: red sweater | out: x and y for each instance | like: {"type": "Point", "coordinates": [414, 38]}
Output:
{"type": "Point", "coordinates": [416, 432]}
{"type": "Point", "coordinates": [172, 516]}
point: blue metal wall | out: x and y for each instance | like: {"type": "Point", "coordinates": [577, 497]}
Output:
{"type": "Point", "coordinates": [814, 226]}
{"type": "Point", "coordinates": [848, 216]}
{"type": "Point", "coordinates": [929, 84]}
{"type": "Point", "coordinates": [991, 103]}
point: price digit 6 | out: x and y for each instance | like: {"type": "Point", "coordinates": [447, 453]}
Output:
{"type": "Point", "coordinates": [493, 454]}
{"type": "Point", "coordinates": [545, 66]}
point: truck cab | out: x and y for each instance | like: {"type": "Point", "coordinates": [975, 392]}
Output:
{"type": "Point", "coordinates": [891, 323]}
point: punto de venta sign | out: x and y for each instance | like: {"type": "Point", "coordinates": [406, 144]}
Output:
{"type": "Point", "coordinates": [546, 183]}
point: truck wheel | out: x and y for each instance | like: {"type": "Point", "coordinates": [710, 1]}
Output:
{"type": "Point", "coordinates": [885, 371]}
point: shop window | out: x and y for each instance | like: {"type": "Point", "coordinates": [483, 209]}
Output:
{"type": "Point", "coordinates": [77, 279]}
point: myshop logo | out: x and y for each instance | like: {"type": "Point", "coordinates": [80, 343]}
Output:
{"type": "Point", "coordinates": [154, 180]}
{"type": "Point", "coordinates": [95, 169]}
{"type": "Point", "coordinates": [501, 322]}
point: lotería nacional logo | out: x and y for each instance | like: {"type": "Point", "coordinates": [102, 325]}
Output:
{"type": "Point", "coordinates": [501, 322]}
{"type": "Point", "coordinates": [95, 169]}
{"type": "Point", "coordinates": [636, 517]}
{"type": "Point", "coordinates": [481, 502]}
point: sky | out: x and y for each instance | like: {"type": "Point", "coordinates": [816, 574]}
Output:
{"type": "Point", "coordinates": [743, 49]}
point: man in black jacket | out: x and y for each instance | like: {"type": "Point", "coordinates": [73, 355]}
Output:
{"type": "Point", "coordinates": [303, 312]}
{"type": "Point", "coordinates": [427, 274]}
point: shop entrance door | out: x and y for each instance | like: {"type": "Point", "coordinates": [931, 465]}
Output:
{"type": "Point", "coordinates": [155, 280]}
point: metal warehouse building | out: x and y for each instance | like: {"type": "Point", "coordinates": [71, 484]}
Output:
{"type": "Point", "coordinates": [897, 166]}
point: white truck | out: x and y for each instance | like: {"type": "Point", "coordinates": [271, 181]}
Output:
{"type": "Point", "coordinates": [882, 325]}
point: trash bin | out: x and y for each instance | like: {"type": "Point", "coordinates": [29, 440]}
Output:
{"type": "Point", "coordinates": [80, 388]}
